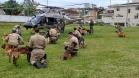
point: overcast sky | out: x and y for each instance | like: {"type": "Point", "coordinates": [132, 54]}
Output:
{"type": "Point", "coordinates": [64, 3]}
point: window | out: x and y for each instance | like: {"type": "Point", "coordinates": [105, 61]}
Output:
{"type": "Point", "coordinates": [118, 9]}
{"type": "Point", "coordinates": [129, 11]}
{"type": "Point", "coordinates": [110, 11]}
{"type": "Point", "coordinates": [119, 15]}
{"type": "Point", "coordinates": [36, 19]}
{"type": "Point", "coordinates": [137, 8]}
{"type": "Point", "coordinates": [136, 16]}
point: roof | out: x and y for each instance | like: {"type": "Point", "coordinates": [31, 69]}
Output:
{"type": "Point", "coordinates": [125, 5]}
{"type": "Point", "coordinates": [51, 7]}
{"type": "Point", "coordinates": [51, 15]}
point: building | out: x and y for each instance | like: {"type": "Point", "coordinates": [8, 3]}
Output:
{"type": "Point", "coordinates": [88, 14]}
{"type": "Point", "coordinates": [72, 13]}
{"type": "Point", "coordinates": [1, 10]}
{"type": "Point", "coordinates": [123, 14]}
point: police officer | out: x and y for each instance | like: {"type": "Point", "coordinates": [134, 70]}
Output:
{"type": "Point", "coordinates": [77, 34]}
{"type": "Point", "coordinates": [18, 29]}
{"type": "Point", "coordinates": [53, 34]}
{"type": "Point", "coordinates": [74, 43]}
{"type": "Point", "coordinates": [38, 44]}
{"type": "Point", "coordinates": [119, 28]}
{"type": "Point", "coordinates": [14, 39]}
{"type": "Point", "coordinates": [91, 26]}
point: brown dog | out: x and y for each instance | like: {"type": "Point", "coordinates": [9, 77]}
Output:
{"type": "Point", "coordinates": [69, 50]}
{"type": "Point", "coordinates": [121, 34]}
{"type": "Point", "coordinates": [14, 53]}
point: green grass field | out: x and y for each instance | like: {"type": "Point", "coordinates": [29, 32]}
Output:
{"type": "Point", "coordinates": [106, 56]}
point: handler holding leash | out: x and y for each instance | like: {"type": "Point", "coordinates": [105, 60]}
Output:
{"type": "Point", "coordinates": [38, 44]}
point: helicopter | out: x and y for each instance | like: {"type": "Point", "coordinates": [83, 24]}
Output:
{"type": "Point", "coordinates": [48, 19]}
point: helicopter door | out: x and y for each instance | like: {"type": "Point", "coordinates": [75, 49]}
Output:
{"type": "Point", "coordinates": [52, 21]}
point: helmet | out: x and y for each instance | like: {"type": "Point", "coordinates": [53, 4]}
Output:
{"type": "Point", "coordinates": [16, 26]}
{"type": "Point", "coordinates": [14, 30]}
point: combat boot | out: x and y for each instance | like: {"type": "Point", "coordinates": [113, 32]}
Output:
{"type": "Point", "coordinates": [37, 65]}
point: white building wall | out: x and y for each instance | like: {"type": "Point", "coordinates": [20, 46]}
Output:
{"type": "Point", "coordinates": [135, 0]}
{"type": "Point", "coordinates": [9, 18]}
{"type": "Point", "coordinates": [123, 11]}
{"type": "Point", "coordinates": [107, 20]}
{"type": "Point", "coordinates": [130, 17]}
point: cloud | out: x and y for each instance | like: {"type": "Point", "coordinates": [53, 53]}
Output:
{"type": "Point", "coordinates": [74, 1]}
{"type": "Point", "coordinates": [63, 3]}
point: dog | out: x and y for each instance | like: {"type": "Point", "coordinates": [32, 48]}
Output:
{"type": "Point", "coordinates": [5, 45]}
{"type": "Point", "coordinates": [121, 34]}
{"type": "Point", "coordinates": [69, 50]}
{"type": "Point", "coordinates": [14, 53]}
{"type": "Point", "coordinates": [67, 55]}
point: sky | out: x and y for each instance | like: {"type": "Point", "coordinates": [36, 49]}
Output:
{"type": "Point", "coordinates": [66, 3]}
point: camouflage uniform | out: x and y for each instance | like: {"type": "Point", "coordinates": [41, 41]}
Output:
{"type": "Point", "coordinates": [72, 46]}
{"type": "Point", "coordinates": [14, 39]}
{"type": "Point", "coordinates": [38, 44]}
{"type": "Point", "coordinates": [74, 40]}
{"type": "Point", "coordinates": [18, 29]}
{"type": "Point", "coordinates": [53, 35]}
{"type": "Point", "coordinates": [78, 35]}
{"type": "Point", "coordinates": [119, 28]}
{"type": "Point", "coordinates": [84, 32]}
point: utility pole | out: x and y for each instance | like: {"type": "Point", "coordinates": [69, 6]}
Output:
{"type": "Point", "coordinates": [47, 3]}
{"type": "Point", "coordinates": [110, 2]}
{"type": "Point", "coordinates": [127, 19]}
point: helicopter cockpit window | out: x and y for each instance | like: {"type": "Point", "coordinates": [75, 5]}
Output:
{"type": "Point", "coordinates": [36, 19]}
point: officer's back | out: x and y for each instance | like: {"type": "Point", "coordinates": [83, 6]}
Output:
{"type": "Point", "coordinates": [53, 32]}
{"type": "Point", "coordinates": [37, 41]}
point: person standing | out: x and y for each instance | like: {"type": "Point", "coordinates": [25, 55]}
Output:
{"type": "Point", "coordinates": [91, 26]}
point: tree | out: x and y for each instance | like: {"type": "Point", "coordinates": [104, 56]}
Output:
{"type": "Point", "coordinates": [11, 7]}
{"type": "Point", "coordinates": [29, 7]}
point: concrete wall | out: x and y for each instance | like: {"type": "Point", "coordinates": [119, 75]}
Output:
{"type": "Point", "coordinates": [2, 12]}
{"type": "Point", "coordinates": [9, 18]}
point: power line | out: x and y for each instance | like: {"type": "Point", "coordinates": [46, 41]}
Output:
{"type": "Point", "coordinates": [75, 4]}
